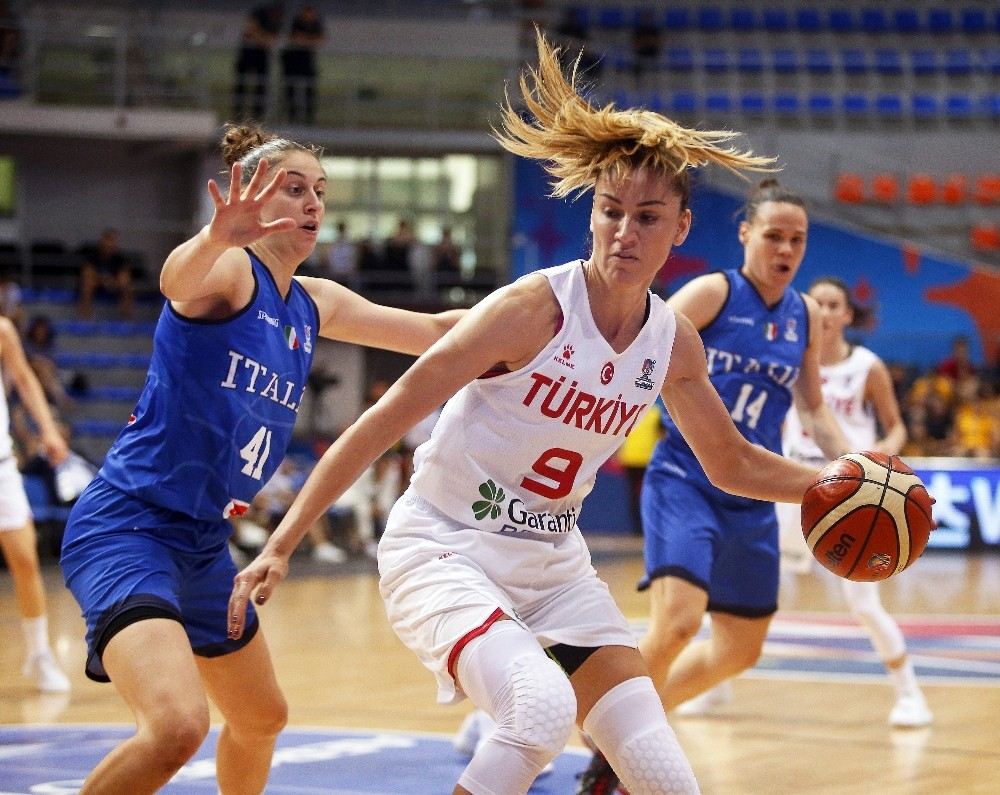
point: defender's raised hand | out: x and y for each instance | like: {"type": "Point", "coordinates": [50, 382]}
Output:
{"type": "Point", "coordinates": [237, 221]}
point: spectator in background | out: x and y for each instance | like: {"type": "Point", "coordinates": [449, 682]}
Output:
{"type": "Point", "coordinates": [10, 40]}
{"type": "Point", "coordinates": [396, 256]}
{"type": "Point", "coordinates": [342, 258]}
{"type": "Point", "coordinates": [958, 365]}
{"type": "Point", "coordinates": [39, 347]}
{"type": "Point", "coordinates": [976, 428]}
{"type": "Point", "coordinates": [253, 61]}
{"type": "Point", "coordinates": [446, 257]}
{"type": "Point", "coordinates": [10, 298]}
{"type": "Point", "coordinates": [104, 268]}
{"type": "Point", "coordinates": [646, 43]}
{"type": "Point", "coordinates": [298, 65]}
{"type": "Point", "coordinates": [572, 33]}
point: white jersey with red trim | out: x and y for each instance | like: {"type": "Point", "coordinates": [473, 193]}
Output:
{"type": "Point", "coordinates": [517, 452]}
{"type": "Point", "coordinates": [844, 393]}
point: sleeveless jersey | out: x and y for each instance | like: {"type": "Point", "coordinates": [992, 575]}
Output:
{"type": "Point", "coordinates": [844, 392]}
{"type": "Point", "coordinates": [754, 355]}
{"type": "Point", "coordinates": [220, 400]}
{"type": "Point", "coordinates": [518, 452]}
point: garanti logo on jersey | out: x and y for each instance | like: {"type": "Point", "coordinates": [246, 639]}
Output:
{"type": "Point", "coordinates": [518, 518]}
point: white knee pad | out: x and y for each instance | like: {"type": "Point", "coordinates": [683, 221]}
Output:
{"type": "Point", "coordinates": [506, 673]}
{"type": "Point", "coordinates": [629, 726]}
{"type": "Point", "coordinates": [866, 605]}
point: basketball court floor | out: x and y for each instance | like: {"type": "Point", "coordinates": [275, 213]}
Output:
{"type": "Point", "coordinates": [810, 718]}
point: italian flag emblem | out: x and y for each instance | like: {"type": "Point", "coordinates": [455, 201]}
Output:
{"type": "Point", "coordinates": [771, 331]}
{"type": "Point", "coordinates": [291, 338]}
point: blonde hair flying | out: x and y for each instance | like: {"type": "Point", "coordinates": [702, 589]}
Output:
{"type": "Point", "coordinates": [578, 142]}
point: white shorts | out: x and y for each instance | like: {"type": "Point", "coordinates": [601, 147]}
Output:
{"type": "Point", "coordinates": [14, 509]}
{"type": "Point", "coordinates": [442, 581]}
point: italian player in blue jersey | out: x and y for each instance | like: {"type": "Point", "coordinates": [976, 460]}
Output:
{"type": "Point", "coordinates": [705, 549]}
{"type": "Point", "coordinates": [145, 551]}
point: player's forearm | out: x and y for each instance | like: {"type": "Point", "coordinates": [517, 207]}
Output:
{"type": "Point", "coordinates": [827, 433]}
{"type": "Point", "coordinates": [761, 475]}
{"type": "Point", "coordinates": [187, 266]}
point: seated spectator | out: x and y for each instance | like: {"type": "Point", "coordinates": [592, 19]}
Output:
{"type": "Point", "coordinates": [958, 365]}
{"type": "Point", "coordinates": [104, 268]}
{"type": "Point", "coordinates": [446, 257]}
{"type": "Point", "coordinates": [976, 429]}
{"type": "Point", "coordinates": [646, 43]}
{"type": "Point", "coordinates": [342, 258]}
{"type": "Point", "coordinates": [396, 256]}
{"type": "Point", "coordinates": [39, 347]}
{"type": "Point", "coordinates": [10, 299]}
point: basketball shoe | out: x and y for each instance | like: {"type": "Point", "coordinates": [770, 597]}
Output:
{"type": "Point", "coordinates": [910, 712]}
{"type": "Point", "coordinates": [46, 673]}
{"type": "Point", "coordinates": [704, 703]}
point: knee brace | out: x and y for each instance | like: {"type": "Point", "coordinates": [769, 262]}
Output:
{"type": "Point", "coordinates": [629, 726]}
{"type": "Point", "coordinates": [866, 606]}
{"type": "Point", "coordinates": [506, 673]}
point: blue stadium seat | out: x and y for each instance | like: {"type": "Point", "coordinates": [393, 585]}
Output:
{"type": "Point", "coordinates": [743, 19]}
{"type": "Point", "coordinates": [753, 102]}
{"type": "Point", "coordinates": [853, 60]}
{"type": "Point", "coordinates": [819, 61]}
{"type": "Point", "coordinates": [957, 62]}
{"type": "Point", "coordinates": [959, 106]}
{"type": "Point", "coordinates": [679, 59]}
{"type": "Point", "coordinates": [841, 20]}
{"type": "Point", "coordinates": [874, 21]}
{"type": "Point", "coordinates": [677, 19]}
{"type": "Point", "coordinates": [683, 102]}
{"type": "Point", "coordinates": [718, 103]}
{"type": "Point", "coordinates": [989, 60]}
{"type": "Point", "coordinates": [906, 20]}
{"type": "Point", "coordinates": [776, 20]}
{"type": "Point", "coordinates": [990, 105]}
{"type": "Point", "coordinates": [939, 20]}
{"type": "Point", "coordinates": [820, 104]}
{"type": "Point", "coordinates": [889, 106]}
{"type": "Point", "coordinates": [923, 62]}
{"type": "Point", "coordinates": [611, 18]}
{"type": "Point", "coordinates": [750, 59]}
{"type": "Point", "coordinates": [974, 21]}
{"type": "Point", "coordinates": [807, 20]}
{"type": "Point", "coordinates": [785, 60]}
{"type": "Point", "coordinates": [711, 19]}
{"type": "Point", "coordinates": [715, 60]}
{"type": "Point", "coordinates": [854, 104]}
{"type": "Point", "coordinates": [924, 106]}
{"type": "Point", "coordinates": [786, 104]}
{"type": "Point", "coordinates": [888, 61]}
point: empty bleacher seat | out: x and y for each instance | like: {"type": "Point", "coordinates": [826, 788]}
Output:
{"type": "Point", "coordinates": [753, 102]}
{"type": "Point", "coordinates": [715, 60]}
{"type": "Point", "coordinates": [889, 106]}
{"type": "Point", "coordinates": [841, 20]}
{"type": "Point", "coordinates": [677, 19]}
{"type": "Point", "coordinates": [718, 103]}
{"type": "Point", "coordinates": [987, 189]}
{"type": "Point", "coordinates": [984, 237]}
{"type": "Point", "coordinates": [819, 61]}
{"type": "Point", "coordinates": [750, 60]}
{"type": "Point", "coordinates": [921, 189]}
{"type": "Point", "coordinates": [853, 60]}
{"type": "Point", "coordinates": [954, 189]}
{"type": "Point", "coordinates": [820, 104]}
{"type": "Point", "coordinates": [854, 104]}
{"type": "Point", "coordinates": [923, 61]}
{"type": "Point", "coordinates": [807, 20]}
{"type": "Point", "coordinates": [679, 59]}
{"type": "Point", "coordinates": [957, 62]}
{"type": "Point", "coordinates": [849, 188]}
{"type": "Point", "coordinates": [711, 19]}
{"type": "Point", "coordinates": [611, 18]}
{"type": "Point", "coordinates": [989, 60]}
{"type": "Point", "coordinates": [924, 106]}
{"type": "Point", "coordinates": [885, 188]}
{"type": "Point", "coordinates": [906, 20]}
{"type": "Point", "coordinates": [974, 21]}
{"type": "Point", "coordinates": [940, 20]}
{"type": "Point", "coordinates": [785, 60]}
{"type": "Point", "coordinates": [874, 21]}
{"type": "Point", "coordinates": [743, 19]}
{"type": "Point", "coordinates": [787, 104]}
{"type": "Point", "coordinates": [888, 61]}
{"type": "Point", "coordinates": [990, 105]}
{"type": "Point", "coordinates": [683, 102]}
{"type": "Point", "coordinates": [959, 106]}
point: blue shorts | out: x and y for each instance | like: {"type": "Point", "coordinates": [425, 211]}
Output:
{"type": "Point", "coordinates": [126, 560]}
{"type": "Point", "coordinates": [726, 545]}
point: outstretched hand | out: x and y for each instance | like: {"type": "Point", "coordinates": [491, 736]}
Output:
{"type": "Point", "coordinates": [257, 581]}
{"type": "Point", "coordinates": [237, 222]}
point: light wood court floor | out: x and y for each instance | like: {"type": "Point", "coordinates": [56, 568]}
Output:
{"type": "Point", "coordinates": [786, 731]}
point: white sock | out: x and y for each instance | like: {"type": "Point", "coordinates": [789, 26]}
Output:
{"type": "Point", "coordinates": [36, 634]}
{"type": "Point", "coordinates": [904, 679]}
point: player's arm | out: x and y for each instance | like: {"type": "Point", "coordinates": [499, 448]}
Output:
{"type": "Point", "coordinates": [731, 462]}
{"type": "Point", "coordinates": [817, 419]}
{"type": "Point", "coordinates": [15, 363]}
{"type": "Point", "coordinates": [210, 269]}
{"type": "Point", "coordinates": [701, 299]}
{"type": "Point", "coordinates": [508, 327]}
{"type": "Point", "coordinates": [346, 316]}
{"type": "Point", "coordinates": [881, 395]}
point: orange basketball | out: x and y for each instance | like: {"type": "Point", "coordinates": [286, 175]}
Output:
{"type": "Point", "coordinates": [866, 516]}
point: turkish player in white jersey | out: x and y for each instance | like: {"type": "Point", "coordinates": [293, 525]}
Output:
{"type": "Point", "coordinates": [485, 575]}
{"type": "Point", "coordinates": [858, 389]}
{"type": "Point", "coordinates": [17, 529]}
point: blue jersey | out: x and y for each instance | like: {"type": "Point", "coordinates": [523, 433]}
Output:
{"type": "Point", "coordinates": [215, 416]}
{"type": "Point", "coordinates": [754, 352]}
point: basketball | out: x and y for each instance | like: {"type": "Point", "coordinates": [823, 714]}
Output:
{"type": "Point", "coordinates": [866, 516]}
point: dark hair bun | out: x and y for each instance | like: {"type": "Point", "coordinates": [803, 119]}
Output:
{"type": "Point", "coordinates": [241, 139]}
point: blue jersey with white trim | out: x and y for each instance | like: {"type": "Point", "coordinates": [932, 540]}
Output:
{"type": "Point", "coordinates": [754, 354]}
{"type": "Point", "coordinates": [215, 416]}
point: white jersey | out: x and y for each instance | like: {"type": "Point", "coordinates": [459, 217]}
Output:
{"type": "Point", "coordinates": [518, 451]}
{"type": "Point", "coordinates": [6, 444]}
{"type": "Point", "coordinates": [844, 393]}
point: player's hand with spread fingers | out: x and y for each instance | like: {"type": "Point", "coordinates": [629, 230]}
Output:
{"type": "Point", "coordinates": [237, 220]}
{"type": "Point", "coordinates": [257, 581]}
